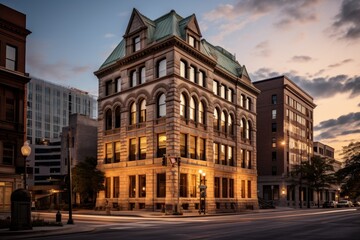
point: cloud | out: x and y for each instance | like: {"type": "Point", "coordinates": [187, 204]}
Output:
{"type": "Point", "coordinates": [109, 35]}
{"type": "Point", "coordinates": [263, 49]}
{"type": "Point", "coordinates": [289, 12]}
{"type": "Point", "coordinates": [334, 128]}
{"type": "Point", "coordinates": [301, 59]}
{"type": "Point", "coordinates": [347, 22]}
{"type": "Point", "coordinates": [321, 87]}
{"type": "Point", "coordinates": [340, 63]}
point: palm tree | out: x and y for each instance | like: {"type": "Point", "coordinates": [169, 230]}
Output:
{"type": "Point", "coordinates": [349, 175]}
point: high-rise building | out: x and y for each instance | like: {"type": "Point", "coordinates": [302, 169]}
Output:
{"type": "Point", "coordinates": [171, 105]}
{"type": "Point", "coordinates": [49, 109]}
{"type": "Point", "coordinates": [13, 79]}
{"type": "Point", "coordinates": [285, 139]}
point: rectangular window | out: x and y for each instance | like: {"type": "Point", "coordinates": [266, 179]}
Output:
{"type": "Point", "coordinates": [231, 188]}
{"type": "Point", "coordinates": [249, 189]}
{"type": "Point", "coordinates": [191, 41]}
{"type": "Point", "coordinates": [11, 61]}
{"type": "Point", "coordinates": [192, 148]}
{"type": "Point", "coordinates": [8, 153]}
{"type": "Point", "coordinates": [161, 151]}
{"type": "Point", "coordinates": [118, 85]}
{"type": "Point", "coordinates": [108, 88]}
{"type": "Point", "coordinates": [107, 187]}
{"type": "Point", "coordinates": [142, 147]}
{"type": "Point", "coordinates": [216, 153]}
{"type": "Point", "coordinates": [242, 188]}
{"type": "Point", "coordinates": [273, 114]}
{"type": "Point", "coordinates": [216, 87]}
{"type": "Point", "coordinates": [273, 171]}
{"type": "Point", "coordinates": [116, 187]}
{"type": "Point", "coordinates": [230, 95]}
{"type": "Point", "coordinates": [142, 186]}
{"type": "Point", "coordinates": [162, 68]}
{"type": "Point", "coordinates": [132, 186]}
{"type": "Point", "coordinates": [273, 127]}
{"type": "Point", "coordinates": [10, 106]}
{"type": "Point", "coordinates": [242, 100]}
{"type": "Point", "coordinates": [132, 149]}
{"type": "Point", "coordinates": [273, 156]}
{"type": "Point", "coordinates": [222, 154]}
{"type": "Point", "coordinates": [183, 69]}
{"type": "Point", "coordinates": [109, 153]}
{"type": "Point", "coordinates": [183, 145]}
{"type": "Point", "coordinates": [201, 78]}
{"type": "Point", "coordinates": [230, 153]}
{"type": "Point", "coordinates": [243, 157]}
{"type": "Point", "coordinates": [192, 74]}
{"type": "Point", "coordinates": [161, 185]}
{"type": "Point", "coordinates": [133, 79]}
{"type": "Point", "coordinates": [193, 186]}
{"type": "Point", "coordinates": [274, 99]}
{"type": "Point", "coordinates": [183, 185]}
{"type": "Point", "coordinates": [248, 158]}
{"type": "Point", "coordinates": [222, 91]}
{"type": "Point", "coordinates": [202, 148]}
{"type": "Point", "coordinates": [142, 75]}
{"type": "Point", "coordinates": [273, 143]}
{"type": "Point", "coordinates": [224, 187]}
{"type": "Point", "coordinates": [217, 187]}
{"type": "Point", "coordinates": [136, 42]}
{"type": "Point", "coordinates": [117, 152]}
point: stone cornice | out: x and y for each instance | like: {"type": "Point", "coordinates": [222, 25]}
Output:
{"type": "Point", "coordinates": [14, 28]}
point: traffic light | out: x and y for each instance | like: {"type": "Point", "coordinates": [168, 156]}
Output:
{"type": "Point", "coordinates": [164, 161]}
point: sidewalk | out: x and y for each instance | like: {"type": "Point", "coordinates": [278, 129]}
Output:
{"type": "Point", "coordinates": [72, 228]}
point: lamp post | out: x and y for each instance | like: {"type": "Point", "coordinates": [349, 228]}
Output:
{"type": "Point", "coordinates": [202, 187]}
{"type": "Point", "coordinates": [25, 151]}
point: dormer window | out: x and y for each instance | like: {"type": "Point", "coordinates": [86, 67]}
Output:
{"type": "Point", "coordinates": [136, 43]}
{"type": "Point", "coordinates": [192, 41]}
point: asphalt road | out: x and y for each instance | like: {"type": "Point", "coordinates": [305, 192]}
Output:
{"type": "Point", "coordinates": [316, 224]}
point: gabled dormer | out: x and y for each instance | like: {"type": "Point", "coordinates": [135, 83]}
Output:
{"type": "Point", "coordinates": [190, 31]}
{"type": "Point", "coordinates": [136, 32]}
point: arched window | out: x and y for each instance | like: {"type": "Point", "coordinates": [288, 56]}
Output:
{"type": "Point", "coordinates": [142, 117]}
{"type": "Point", "coordinates": [161, 71]}
{"type": "Point", "coordinates": [183, 106]}
{"type": "Point", "coordinates": [223, 122]}
{"type": "Point", "coordinates": [133, 114]}
{"type": "Point", "coordinates": [242, 128]}
{"type": "Point", "coordinates": [183, 68]}
{"type": "Point", "coordinates": [216, 120]}
{"type": "Point", "coordinates": [117, 117]}
{"type": "Point", "coordinates": [192, 109]}
{"type": "Point", "coordinates": [230, 125]}
{"type": "Point", "coordinates": [161, 106]}
{"type": "Point", "coordinates": [108, 119]}
{"type": "Point", "coordinates": [201, 113]}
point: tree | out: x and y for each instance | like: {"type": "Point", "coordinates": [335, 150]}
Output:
{"type": "Point", "coordinates": [349, 175]}
{"type": "Point", "coordinates": [318, 173]}
{"type": "Point", "coordinates": [87, 179]}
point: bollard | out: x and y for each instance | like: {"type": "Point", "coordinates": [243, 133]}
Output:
{"type": "Point", "coordinates": [58, 216]}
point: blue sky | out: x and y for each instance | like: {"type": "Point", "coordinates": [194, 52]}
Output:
{"type": "Point", "coordinates": [314, 42]}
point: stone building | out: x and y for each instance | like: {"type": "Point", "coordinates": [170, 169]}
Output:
{"type": "Point", "coordinates": [13, 79]}
{"type": "Point", "coordinates": [285, 139]}
{"type": "Point", "coordinates": [167, 96]}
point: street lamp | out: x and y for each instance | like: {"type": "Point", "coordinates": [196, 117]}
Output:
{"type": "Point", "coordinates": [202, 187]}
{"type": "Point", "coordinates": [70, 144]}
{"type": "Point", "coordinates": [25, 151]}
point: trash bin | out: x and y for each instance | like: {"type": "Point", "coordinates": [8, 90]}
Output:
{"type": "Point", "coordinates": [20, 210]}
{"type": "Point", "coordinates": [58, 217]}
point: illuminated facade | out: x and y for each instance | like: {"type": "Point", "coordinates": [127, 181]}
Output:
{"type": "Point", "coordinates": [164, 91]}
{"type": "Point", "coordinates": [285, 139]}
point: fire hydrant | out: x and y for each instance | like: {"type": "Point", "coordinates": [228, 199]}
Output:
{"type": "Point", "coordinates": [58, 216]}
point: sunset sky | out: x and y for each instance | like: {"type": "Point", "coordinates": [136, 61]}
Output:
{"type": "Point", "coordinates": [316, 43]}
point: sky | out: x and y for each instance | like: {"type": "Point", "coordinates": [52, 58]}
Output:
{"type": "Point", "coordinates": [316, 43]}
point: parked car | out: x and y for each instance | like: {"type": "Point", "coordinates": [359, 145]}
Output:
{"type": "Point", "coordinates": [357, 204]}
{"type": "Point", "coordinates": [344, 203]}
{"type": "Point", "coordinates": [329, 204]}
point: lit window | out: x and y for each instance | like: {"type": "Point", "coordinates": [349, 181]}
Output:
{"type": "Point", "coordinates": [182, 106]}
{"type": "Point", "coordinates": [201, 113]}
{"type": "Point", "coordinates": [142, 111]}
{"type": "Point", "coordinates": [132, 150]}
{"type": "Point", "coordinates": [109, 153]}
{"type": "Point", "coordinates": [161, 151]}
{"type": "Point", "coordinates": [223, 122]}
{"type": "Point", "coordinates": [192, 109]}
{"type": "Point", "coordinates": [216, 120]}
{"type": "Point", "coordinates": [230, 125]}
{"type": "Point", "coordinates": [133, 114]}
{"type": "Point", "coordinates": [192, 148]}
{"type": "Point", "coordinates": [142, 148]}
{"type": "Point", "coordinates": [117, 152]}
{"type": "Point", "coordinates": [183, 145]}
{"type": "Point", "coordinates": [202, 148]}
{"type": "Point", "coordinates": [273, 114]}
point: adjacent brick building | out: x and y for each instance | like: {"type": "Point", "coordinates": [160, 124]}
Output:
{"type": "Point", "coordinates": [165, 91]}
{"type": "Point", "coordinates": [13, 79]}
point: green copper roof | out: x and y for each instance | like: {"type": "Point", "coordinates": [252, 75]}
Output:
{"type": "Point", "coordinates": [171, 24]}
